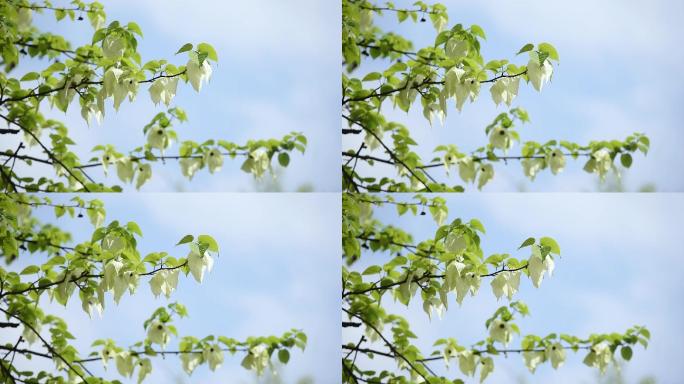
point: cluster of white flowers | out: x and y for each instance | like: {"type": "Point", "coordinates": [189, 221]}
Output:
{"type": "Point", "coordinates": [555, 352]}
{"type": "Point", "coordinates": [126, 362]}
{"type": "Point", "coordinates": [506, 284]}
{"type": "Point", "coordinates": [257, 359]}
{"type": "Point", "coordinates": [537, 266]}
{"type": "Point", "coordinates": [257, 163]}
{"type": "Point", "coordinates": [468, 362]}
{"type": "Point", "coordinates": [470, 170]}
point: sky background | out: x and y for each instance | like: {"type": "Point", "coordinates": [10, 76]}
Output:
{"type": "Point", "coordinates": [277, 73]}
{"type": "Point", "coordinates": [278, 269]}
{"type": "Point", "coordinates": [618, 74]}
{"type": "Point", "coordinates": [621, 256]}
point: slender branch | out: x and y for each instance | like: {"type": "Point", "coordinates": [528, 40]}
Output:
{"type": "Point", "coordinates": [47, 345]}
{"type": "Point", "coordinates": [425, 82]}
{"type": "Point", "coordinates": [84, 275]}
{"type": "Point", "coordinates": [427, 276]}
{"type": "Point", "coordinates": [38, 7]}
{"type": "Point", "coordinates": [390, 152]}
{"type": "Point", "coordinates": [82, 83]}
{"type": "Point", "coordinates": [389, 345]}
{"type": "Point", "coordinates": [47, 151]}
{"type": "Point", "coordinates": [477, 159]}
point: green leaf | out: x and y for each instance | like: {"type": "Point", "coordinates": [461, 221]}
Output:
{"type": "Point", "coordinates": [31, 76]}
{"type": "Point", "coordinates": [372, 270]}
{"type": "Point", "coordinates": [626, 352]}
{"type": "Point", "coordinates": [372, 76]}
{"type": "Point", "coordinates": [186, 47]}
{"type": "Point", "coordinates": [476, 224]}
{"type": "Point", "coordinates": [31, 269]}
{"type": "Point", "coordinates": [551, 243]}
{"type": "Point", "coordinates": [626, 160]}
{"type": "Point", "coordinates": [204, 48]}
{"type": "Point", "coordinates": [133, 227]}
{"type": "Point", "coordinates": [529, 241]}
{"type": "Point", "coordinates": [526, 48]}
{"type": "Point", "coordinates": [283, 159]}
{"type": "Point", "coordinates": [550, 50]}
{"type": "Point", "coordinates": [186, 239]}
{"type": "Point", "coordinates": [209, 241]}
{"type": "Point", "coordinates": [135, 28]}
{"type": "Point", "coordinates": [477, 31]}
{"type": "Point", "coordinates": [284, 356]}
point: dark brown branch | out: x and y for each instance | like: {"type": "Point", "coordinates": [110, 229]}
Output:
{"type": "Point", "coordinates": [390, 152]}
{"type": "Point", "coordinates": [389, 345]}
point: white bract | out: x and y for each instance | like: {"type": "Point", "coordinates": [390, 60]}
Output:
{"type": "Point", "coordinates": [556, 161]}
{"type": "Point", "coordinates": [164, 282]}
{"type": "Point", "coordinates": [199, 264]}
{"type": "Point", "coordinates": [537, 267]}
{"type": "Point", "coordinates": [455, 242]}
{"type": "Point", "coordinates": [144, 174]}
{"type": "Point", "coordinates": [144, 369]}
{"type": "Point", "coordinates": [486, 367]}
{"type": "Point", "coordinates": [125, 87]}
{"type": "Point", "coordinates": [257, 163]}
{"type": "Point", "coordinates": [556, 353]}
{"type": "Point", "coordinates": [539, 74]}
{"type": "Point", "coordinates": [468, 282]}
{"type": "Point", "coordinates": [197, 75]}
{"type": "Point", "coordinates": [125, 169]}
{"type": "Point", "coordinates": [213, 355]}
{"type": "Point", "coordinates": [163, 89]}
{"type": "Point", "coordinates": [124, 281]}
{"type": "Point", "coordinates": [371, 141]}
{"type": "Point", "coordinates": [214, 160]}
{"type": "Point", "coordinates": [113, 46]}
{"type": "Point", "coordinates": [468, 89]}
{"type": "Point", "coordinates": [189, 166]}
{"type": "Point", "coordinates": [91, 304]}
{"type": "Point", "coordinates": [190, 361]}
{"type": "Point", "coordinates": [506, 283]}
{"type": "Point", "coordinates": [466, 362]}
{"type": "Point", "coordinates": [500, 138]}
{"type": "Point", "coordinates": [600, 162]}
{"type": "Point", "coordinates": [257, 359]}
{"type": "Point", "coordinates": [501, 331]}
{"type": "Point", "coordinates": [456, 48]}
{"type": "Point", "coordinates": [504, 90]}
{"type": "Point", "coordinates": [157, 138]}
{"type": "Point", "coordinates": [532, 359]}
{"type": "Point", "coordinates": [124, 363]}
{"type": "Point", "coordinates": [24, 18]}
{"type": "Point", "coordinates": [600, 356]}
{"type": "Point", "coordinates": [157, 333]}
{"type": "Point", "coordinates": [486, 174]}
{"type": "Point", "coordinates": [532, 166]}
{"type": "Point", "coordinates": [107, 353]}
{"type": "Point", "coordinates": [29, 335]}
{"type": "Point", "coordinates": [467, 169]}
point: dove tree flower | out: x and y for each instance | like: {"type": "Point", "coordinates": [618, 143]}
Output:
{"type": "Point", "coordinates": [43, 70]}
{"type": "Point", "coordinates": [383, 262]}
{"type": "Point", "coordinates": [107, 265]}
{"type": "Point", "coordinates": [384, 70]}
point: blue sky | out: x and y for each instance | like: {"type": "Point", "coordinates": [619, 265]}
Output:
{"type": "Point", "coordinates": [619, 268]}
{"type": "Point", "coordinates": [278, 269]}
{"type": "Point", "coordinates": [618, 74]}
{"type": "Point", "coordinates": [277, 73]}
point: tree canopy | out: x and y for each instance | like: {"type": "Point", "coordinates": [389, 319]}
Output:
{"type": "Point", "coordinates": [452, 71]}
{"type": "Point", "coordinates": [384, 262]}
{"type": "Point", "coordinates": [104, 269]}
{"type": "Point", "coordinates": [103, 74]}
